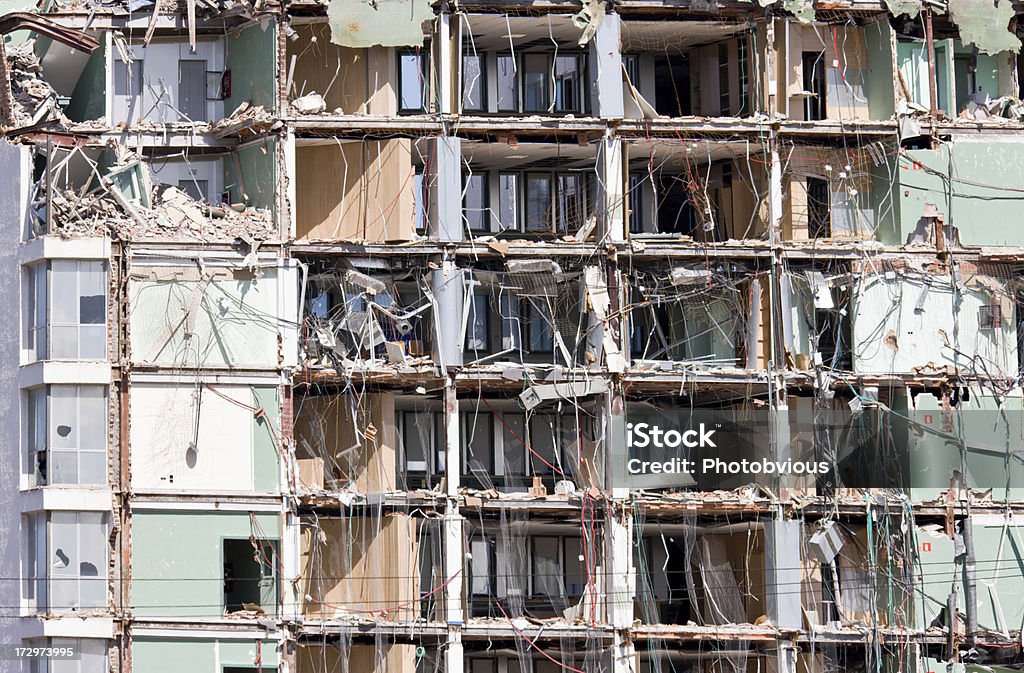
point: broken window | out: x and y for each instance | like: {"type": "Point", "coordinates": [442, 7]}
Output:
{"type": "Point", "coordinates": [482, 579]}
{"type": "Point", "coordinates": [814, 85]}
{"type": "Point", "coordinates": [90, 656]}
{"type": "Point", "coordinates": [478, 335]}
{"type": "Point", "coordinates": [412, 81]}
{"type": "Point", "coordinates": [250, 581]}
{"type": "Point", "coordinates": [422, 445]}
{"type": "Point", "coordinates": [538, 201]}
{"type": "Point", "coordinates": [67, 435]}
{"type": "Point", "coordinates": [572, 202]}
{"type": "Point", "coordinates": [569, 83]}
{"type": "Point", "coordinates": [475, 202]}
{"type": "Point", "coordinates": [508, 201]}
{"type": "Point", "coordinates": [474, 83]}
{"type": "Point", "coordinates": [538, 327]}
{"type": "Point", "coordinates": [545, 568]}
{"type": "Point", "coordinates": [69, 298]}
{"type": "Point", "coordinates": [68, 555]}
{"type": "Point", "coordinates": [478, 429]}
{"type": "Point", "coordinates": [819, 208]}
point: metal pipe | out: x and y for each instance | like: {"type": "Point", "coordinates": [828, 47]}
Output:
{"type": "Point", "coordinates": [970, 570]}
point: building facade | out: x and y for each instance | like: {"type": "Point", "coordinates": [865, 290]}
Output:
{"type": "Point", "coordinates": [328, 347]}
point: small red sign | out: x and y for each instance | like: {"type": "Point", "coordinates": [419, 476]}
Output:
{"type": "Point", "coordinates": [926, 546]}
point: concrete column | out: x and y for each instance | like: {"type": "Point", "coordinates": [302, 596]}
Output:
{"type": "Point", "coordinates": [611, 187]}
{"type": "Point", "coordinates": [447, 285]}
{"type": "Point", "coordinates": [444, 207]}
{"type": "Point", "coordinates": [454, 536]}
{"type": "Point", "coordinates": [782, 582]}
{"type": "Point", "coordinates": [446, 61]}
{"type": "Point", "coordinates": [606, 69]}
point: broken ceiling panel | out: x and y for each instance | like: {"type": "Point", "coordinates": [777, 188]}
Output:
{"type": "Point", "coordinates": [385, 23]}
{"type": "Point", "coordinates": [909, 7]}
{"type": "Point", "coordinates": [803, 10]}
{"type": "Point", "coordinates": [984, 23]}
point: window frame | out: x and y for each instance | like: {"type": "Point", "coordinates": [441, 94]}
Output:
{"type": "Point", "coordinates": [481, 84]}
{"type": "Point", "coordinates": [422, 54]}
{"type": "Point", "coordinates": [484, 214]}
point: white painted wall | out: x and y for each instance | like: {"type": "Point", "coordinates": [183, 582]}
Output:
{"type": "Point", "coordinates": [15, 164]}
{"type": "Point", "coordinates": [164, 425]}
{"type": "Point", "coordinates": [159, 72]}
{"type": "Point", "coordinates": [887, 306]}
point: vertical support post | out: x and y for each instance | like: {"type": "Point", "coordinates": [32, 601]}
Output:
{"type": "Point", "coordinates": [454, 536]}
{"type": "Point", "coordinates": [446, 64]}
{"type": "Point", "coordinates": [448, 286]}
{"type": "Point", "coordinates": [782, 574]}
{"type": "Point", "coordinates": [444, 212]}
{"type": "Point", "coordinates": [611, 219]}
{"type": "Point", "coordinates": [933, 84]}
{"type": "Point", "coordinates": [606, 69]}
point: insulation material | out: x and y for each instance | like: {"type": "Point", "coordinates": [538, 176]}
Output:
{"type": "Point", "coordinates": [985, 24]}
{"type": "Point", "coordinates": [385, 23]}
{"type": "Point", "coordinates": [355, 441]}
{"type": "Point", "coordinates": [723, 603]}
{"type": "Point", "coordinates": [365, 566]}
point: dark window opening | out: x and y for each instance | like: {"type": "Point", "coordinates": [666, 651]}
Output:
{"type": "Point", "coordinates": [814, 85]}
{"type": "Point", "coordinates": [819, 208]}
{"type": "Point", "coordinates": [250, 582]}
{"type": "Point", "coordinates": [671, 86]}
{"type": "Point", "coordinates": [475, 202]}
{"type": "Point", "coordinates": [724, 106]}
{"type": "Point", "coordinates": [676, 214]}
{"type": "Point", "coordinates": [474, 83]}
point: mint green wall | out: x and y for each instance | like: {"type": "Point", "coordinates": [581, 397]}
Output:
{"type": "Point", "coordinates": [252, 57]}
{"type": "Point", "coordinates": [89, 99]}
{"type": "Point", "coordinates": [879, 85]}
{"type": "Point", "coordinates": [978, 204]}
{"type": "Point", "coordinates": [990, 543]}
{"type": "Point", "coordinates": [257, 162]}
{"type": "Point", "coordinates": [199, 656]}
{"type": "Point", "coordinates": [177, 560]}
{"type": "Point", "coordinates": [265, 466]}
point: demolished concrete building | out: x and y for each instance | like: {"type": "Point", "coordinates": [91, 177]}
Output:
{"type": "Point", "coordinates": [330, 321]}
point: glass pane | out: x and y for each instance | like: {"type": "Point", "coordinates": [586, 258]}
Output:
{"type": "Point", "coordinates": [92, 467]}
{"type": "Point", "coordinates": [418, 200]}
{"type": "Point", "coordinates": [514, 438]}
{"type": "Point", "coordinates": [94, 656]}
{"type": "Point", "coordinates": [92, 282]}
{"type": "Point", "coordinates": [479, 445]}
{"type": "Point", "coordinates": [64, 342]}
{"type": "Point", "coordinates": [63, 467]}
{"type": "Point", "coordinates": [542, 443]}
{"type": "Point", "coordinates": [477, 337]}
{"type": "Point", "coordinates": [36, 425]}
{"type": "Point", "coordinates": [508, 201]}
{"type": "Point", "coordinates": [546, 573]}
{"type": "Point", "coordinates": [538, 202]}
{"type": "Point", "coordinates": [64, 293]}
{"type": "Point", "coordinates": [575, 571]}
{"type": "Point", "coordinates": [92, 417]}
{"type": "Point", "coordinates": [411, 84]}
{"type": "Point", "coordinates": [472, 82]}
{"type": "Point", "coordinates": [508, 89]}
{"type": "Point", "coordinates": [416, 437]}
{"type": "Point", "coordinates": [571, 202]}
{"type": "Point", "coordinates": [92, 342]}
{"type": "Point", "coordinates": [541, 340]}
{"type": "Point", "coordinates": [535, 82]}
{"type": "Point", "coordinates": [42, 561]}
{"type": "Point", "coordinates": [567, 83]}
{"type": "Point", "coordinates": [64, 427]}
{"type": "Point", "coordinates": [92, 566]}
{"type": "Point", "coordinates": [474, 203]}
{"type": "Point", "coordinates": [37, 314]}
{"type": "Point", "coordinates": [511, 324]}
{"type": "Point", "coordinates": [480, 568]}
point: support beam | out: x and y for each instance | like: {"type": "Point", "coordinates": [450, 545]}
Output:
{"type": "Point", "coordinates": [611, 182]}
{"type": "Point", "coordinates": [444, 212]}
{"type": "Point", "coordinates": [606, 69]}
{"type": "Point", "coordinates": [448, 286]}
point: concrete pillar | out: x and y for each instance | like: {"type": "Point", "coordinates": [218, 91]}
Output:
{"type": "Point", "coordinates": [447, 64]}
{"type": "Point", "coordinates": [444, 211]}
{"type": "Point", "coordinates": [782, 582]}
{"type": "Point", "coordinates": [447, 285]}
{"type": "Point", "coordinates": [454, 535]}
{"type": "Point", "coordinates": [611, 187]}
{"type": "Point", "coordinates": [606, 69]}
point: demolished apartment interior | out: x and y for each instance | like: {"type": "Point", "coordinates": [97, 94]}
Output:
{"type": "Point", "coordinates": [408, 293]}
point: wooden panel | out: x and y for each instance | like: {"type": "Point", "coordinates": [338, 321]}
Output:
{"type": "Point", "coordinates": [355, 191]}
{"type": "Point", "coordinates": [359, 564]}
{"type": "Point", "coordinates": [337, 73]}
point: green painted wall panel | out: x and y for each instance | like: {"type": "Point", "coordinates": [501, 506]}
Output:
{"type": "Point", "coordinates": [252, 57]}
{"type": "Point", "coordinates": [879, 87]}
{"type": "Point", "coordinates": [177, 559]}
{"type": "Point", "coordinates": [199, 656]}
{"type": "Point", "coordinates": [257, 163]}
{"type": "Point", "coordinates": [980, 201]}
{"type": "Point", "coordinates": [266, 470]}
{"type": "Point", "coordinates": [89, 101]}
